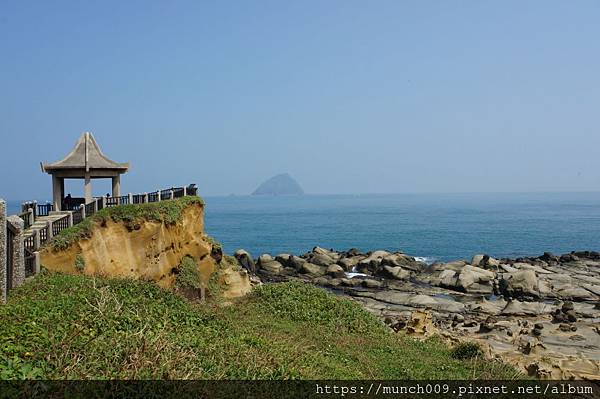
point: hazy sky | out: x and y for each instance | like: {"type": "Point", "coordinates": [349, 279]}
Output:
{"type": "Point", "coordinates": [346, 96]}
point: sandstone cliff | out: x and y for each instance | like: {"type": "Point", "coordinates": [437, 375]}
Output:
{"type": "Point", "coordinates": [146, 248]}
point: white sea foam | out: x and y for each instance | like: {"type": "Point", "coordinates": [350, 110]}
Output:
{"type": "Point", "coordinates": [425, 259]}
{"type": "Point", "coordinates": [352, 274]}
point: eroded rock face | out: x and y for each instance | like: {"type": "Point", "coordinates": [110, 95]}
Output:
{"type": "Point", "coordinates": [150, 252]}
{"type": "Point", "coordinates": [540, 314]}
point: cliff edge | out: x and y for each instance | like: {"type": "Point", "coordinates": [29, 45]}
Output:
{"type": "Point", "coordinates": [148, 241]}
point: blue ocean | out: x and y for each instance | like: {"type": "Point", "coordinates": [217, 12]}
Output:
{"type": "Point", "coordinates": [433, 226]}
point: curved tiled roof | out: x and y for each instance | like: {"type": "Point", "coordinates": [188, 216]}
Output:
{"type": "Point", "coordinates": [86, 155]}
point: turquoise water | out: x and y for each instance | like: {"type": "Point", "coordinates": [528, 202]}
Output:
{"type": "Point", "coordinates": [443, 227]}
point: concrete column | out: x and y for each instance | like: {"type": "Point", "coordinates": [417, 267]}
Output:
{"type": "Point", "coordinates": [18, 251]}
{"type": "Point", "coordinates": [2, 251]}
{"type": "Point", "coordinates": [57, 193]}
{"type": "Point", "coordinates": [88, 188]}
{"type": "Point", "coordinates": [116, 186]}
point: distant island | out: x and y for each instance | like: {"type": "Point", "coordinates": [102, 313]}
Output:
{"type": "Point", "coordinates": [282, 184]}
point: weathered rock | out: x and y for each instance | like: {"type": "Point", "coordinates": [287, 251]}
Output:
{"type": "Point", "coordinates": [518, 308]}
{"type": "Point", "coordinates": [266, 264]}
{"type": "Point", "coordinates": [312, 269]}
{"type": "Point", "coordinates": [370, 283]}
{"type": "Point", "coordinates": [320, 259]}
{"type": "Point", "coordinates": [284, 259]}
{"type": "Point", "coordinates": [521, 283]}
{"type": "Point", "coordinates": [393, 273]}
{"type": "Point", "coordinates": [335, 271]}
{"type": "Point", "coordinates": [245, 260]}
{"type": "Point", "coordinates": [348, 263]}
{"type": "Point", "coordinates": [296, 262]}
{"type": "Point", "coordinates": [351, 282]}
{"type": "Point", "coordinates": [485, 261]}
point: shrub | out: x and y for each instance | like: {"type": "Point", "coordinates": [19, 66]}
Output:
{"type": "Point", "coordinates": [188, 274]}
{"type": "Point", "coordinates": [79, 263]}
{"type": "Point", "coordinates": [467, 350]}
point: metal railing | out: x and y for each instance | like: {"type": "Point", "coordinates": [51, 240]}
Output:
{"type": "Point", "coordinates": [138, 198]}
{"type": "Point", "coordinates": [44, 209]}
{"type": "Point", "coordinates": [43, 232]}
{"type": "Point", "coordinates": [78, 215]}
{"type": "Point", "coordinates": [90, 209]}
{"type": "Point", "coordinates": [29, 243]}
{"type": "Point", "coordinates": [60, 224]}
{"type": "Point", "coordinates": [29, 259]}
{"type": "Point", "coordinates": [153, 197]}
{"type": "Point", "coordinates": [166, 194]}
{"type": "Point", "coordinates": [27, 218]}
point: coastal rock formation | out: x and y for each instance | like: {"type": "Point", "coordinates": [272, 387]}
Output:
{"type": "Point", "coordinates": [282, 184]}
{"type": "Point", "coordinates": [149, 250]}
{"type": "Point", "coordinates": [540, 314]}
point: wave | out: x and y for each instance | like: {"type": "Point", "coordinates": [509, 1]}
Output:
{"type": "Point", "coordinates": [425, 259]}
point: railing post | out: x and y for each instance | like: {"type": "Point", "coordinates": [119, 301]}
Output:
{"type": "Point", "coordinates": [36, 240]}
{"type": "Point", "coordinates": [96, 205]}
{"type": "Point", "coordinates": [50, 233]}
{"type": "Point", "coordinates": [130, 198]}
{"type": "Point", "coordinates": [157, 195]}
{"type": "Point", "coordinates": [82, 211]}
{"type": "Point", "coordinates": [145, 198]}
{"type": "Point", "coordinates": [3, 258]}
{"type": "Point", "coordinates": [35, 208]}
{"type": "Point", "coordinates": [172, 194]}
{"type": "Point", "coordinates": [185, 191]}
{"type": "Point", "coordinates": [103, 200]}
{"type": "Point", "coordinates": [37, 262]}
{"type": "Point", "coordinates": [18, 254]}
{"type": "Point", "coordinates": [70, 219]}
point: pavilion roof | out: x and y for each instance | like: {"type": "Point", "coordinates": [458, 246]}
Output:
{"type": "Point", "coordinates": [86, 155]}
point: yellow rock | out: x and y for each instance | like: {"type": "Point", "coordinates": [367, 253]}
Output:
{"type": "Point", "coordinates": [152, 252]}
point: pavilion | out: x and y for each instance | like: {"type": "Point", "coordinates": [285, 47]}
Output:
{"type": "Point", "coordinates": [86, 161]}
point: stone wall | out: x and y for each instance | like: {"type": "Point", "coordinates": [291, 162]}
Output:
{"type": "Point", "coordinates": [2, 251]}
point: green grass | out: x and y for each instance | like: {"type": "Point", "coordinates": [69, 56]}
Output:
{"type": "Point", "coordinates": [188, 275]}
{"type": "Point", "coordinates": [132, 216]}
{"type": "Point", "coordinates": [61, 326]}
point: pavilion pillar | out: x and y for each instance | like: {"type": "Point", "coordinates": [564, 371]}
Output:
{"type": "Point", "coordinates": [58, 184]}
{"type": "Point", "coordinates": [116, 186]}
{"type": "Point", "coordinates": [88, 188]}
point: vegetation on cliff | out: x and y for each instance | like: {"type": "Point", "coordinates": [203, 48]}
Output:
{"type": "Point", "coordinates": [132, 216]}
{"type": "Point", "coordinates": [72, 326]}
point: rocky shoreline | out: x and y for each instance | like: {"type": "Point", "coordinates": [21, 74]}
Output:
{"type": "Point", "coordinates": [541, 314]}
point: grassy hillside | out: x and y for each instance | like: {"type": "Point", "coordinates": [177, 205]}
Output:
{"type": "Point", "coordinates": [63, 326]}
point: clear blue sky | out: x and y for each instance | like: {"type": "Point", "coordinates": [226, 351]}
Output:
{"type": "Point", "coordinates": [347, 96]}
